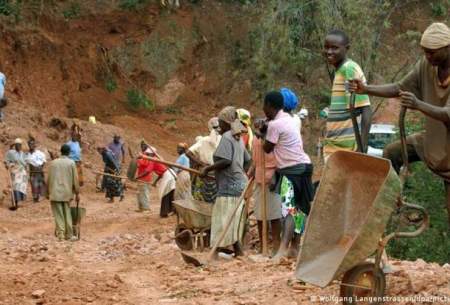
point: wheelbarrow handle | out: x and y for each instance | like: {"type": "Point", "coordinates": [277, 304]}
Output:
{"type": "Point", "coordinates": [424, 222]}
{"type": "Point", "coordinates": [355, 123]}
{"type": "Point", "coordinates": [404, 149]}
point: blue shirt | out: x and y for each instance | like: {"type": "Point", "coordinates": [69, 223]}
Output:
{"type": "Point", "coordinates": [75, 150]}
{"type": "Point", "coordinates": [2, 84]}
{"type": "Point", "coordinates": [183, 160]}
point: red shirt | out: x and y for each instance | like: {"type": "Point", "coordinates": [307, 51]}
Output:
{"type": "Point", "coordinates": [159, 168]}
{"type": "Point", "coordinates": [145, 166]}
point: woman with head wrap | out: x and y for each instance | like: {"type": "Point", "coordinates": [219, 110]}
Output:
{"type": "Point", "coordinates": [15, 161]}
{"type": "Point", "coordinates": [246, 120]}
{"type": "Point", "coordinates": [426, 89]}
{"type": "Point", "coordinates": [291, 103]}
{"type": "Point", "coordinates": [230, 159]}
{"type": "Point", "coordinates": [112, 185]}
{"type": "Point", "coordinates": [201, 155]}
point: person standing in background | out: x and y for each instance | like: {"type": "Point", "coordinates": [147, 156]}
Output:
{"type": "Point", "coordinates": [36, 161]}
{"type": "Point", "coordinates": [75, 154]}
{"type": "Point", "coordinates": [63, 184]}
{"type": "Point", "coordinates": [117, 146]}
{"type": "Point", "coordinates": [17, 167]}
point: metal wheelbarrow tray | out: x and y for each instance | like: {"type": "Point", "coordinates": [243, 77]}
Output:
{"type": "Point", "coordinates": [353, 205]}
{"type": "Point", "coordinates": [354, 202]}
{"type": "Point", "coordinates": [193, 223]}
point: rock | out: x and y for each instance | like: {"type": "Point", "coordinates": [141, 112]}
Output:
{"type": "Point", "coordinates": [165, 239]}
{"type": "Point", "coordinates": [118, 278]}
{"type": "Point", "coordinates": [128, 236]}
{"type": "Point", "coordinates": [197, 278]}
{"type": "Point", "coordinates": [165, 301]}
{"type": "Point", "coordinates": [420, 264]}
{"type": "Point", "coordinates": [90, 299]}
{"type": "Point", "coordinates": [112, 284]}
{"type": "Point", "coordinates": [37, 294]}
{"type": "Point", "coordinates": [258, 258]}
{"type": "Point", "coordinates": [43, 258]}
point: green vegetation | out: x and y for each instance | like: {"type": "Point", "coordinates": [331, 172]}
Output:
{"type": "Point", "coordinates": [132, 5]}
{"type": "Point", "coordinates": [172, 109]}
{"type": "Point", "coordinates": [289, 40]}
{"type": "Point", "coordinates": [72, 11]}
{"type": "Point", "coordinates": [136, 99]}
{"type": "Point", "coordinates": [110, 84]}
{"type": "Point", "coordinates": [439, 8]}
{"type": "Point", "coordinates": [424, 188]}
{"type": "Point", "coordinates": [11, 8]}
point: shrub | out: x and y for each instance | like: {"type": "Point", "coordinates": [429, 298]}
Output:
{"type": "Point", "coordinates": [438, 8]}
{"type": "Point", "coordinates": [172, 109]}
{"type": "Point", "coordinates": [137, 99]}
{"type": "Point", "coordinates": [11, 8]}
{"type": "Point", "coordinates": [73, 11]}
{"type": "Point", "coordinates": [110, 84]}
{"type": "Point", "coordinates": [132, 4]}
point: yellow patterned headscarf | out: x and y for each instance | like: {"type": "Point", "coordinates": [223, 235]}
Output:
{"type": "Point", "coordinates": [436, 36]}
{"type": "Point", "coordinates": [244, 116]}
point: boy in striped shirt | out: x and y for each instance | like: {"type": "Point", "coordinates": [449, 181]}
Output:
{"type": "Point", "coordinates": [340, 135]}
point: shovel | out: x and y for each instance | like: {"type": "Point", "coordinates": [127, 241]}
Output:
{"type": "Point", "coordinates": [13, 206]}
{"type": "Point", "coordinates": [77, 213]}
{"type": "Point", "coordinates": [197, 263]}
{"type": "Point", "coordinates": [401, 123]}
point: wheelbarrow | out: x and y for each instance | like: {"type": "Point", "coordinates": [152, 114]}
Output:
{"type": "Point", "coordinates": [193, 224]}
{"type": "Point", "coordinates": [353, 205]}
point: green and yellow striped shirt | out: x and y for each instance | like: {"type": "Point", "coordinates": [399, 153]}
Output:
{"type": "Point", "coordinates": [340, 135]}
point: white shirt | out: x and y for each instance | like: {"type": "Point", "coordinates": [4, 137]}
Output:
{"type": "Point", "coordinates": [37, 158]}
{"type": "Point", "coordinates": [205, 147]}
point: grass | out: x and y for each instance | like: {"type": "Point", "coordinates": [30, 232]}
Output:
{"type": "Point", "coordinates": [426, 189]}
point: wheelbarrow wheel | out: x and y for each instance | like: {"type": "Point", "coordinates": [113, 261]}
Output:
{"type": "Point", "coordinates": [183, 237]}
{"type": "Point", "coordinates": [363, 284]}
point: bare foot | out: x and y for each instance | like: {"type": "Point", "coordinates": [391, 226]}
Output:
{"type": "Point", "coordinates": [280, 255]}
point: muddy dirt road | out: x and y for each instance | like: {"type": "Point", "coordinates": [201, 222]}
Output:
{"type": "Point", "coordinates": [125, 257]}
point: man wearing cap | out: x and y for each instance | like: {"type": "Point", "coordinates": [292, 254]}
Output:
{"type": "Point", "coordinates": [16, 164]}
{"type": "Point", "coordinates": [426, 89]}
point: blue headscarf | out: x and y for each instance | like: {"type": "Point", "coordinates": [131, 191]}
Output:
{"type": "Point", "coordinates": [289, 98]}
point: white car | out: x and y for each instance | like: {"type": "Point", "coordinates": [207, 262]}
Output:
{"type": "Point", "coordinates": [380, 135]}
